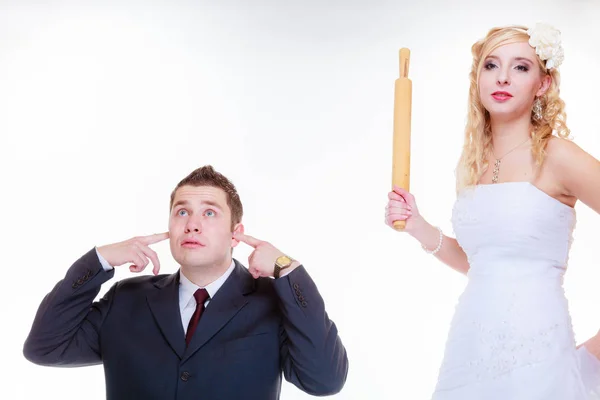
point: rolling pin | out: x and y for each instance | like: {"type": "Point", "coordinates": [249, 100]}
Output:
{"type": "Point", "coordinates": [402, 119]}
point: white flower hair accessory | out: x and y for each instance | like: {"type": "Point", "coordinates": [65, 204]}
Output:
{"type": "Point", "coordinates": [547, 43]}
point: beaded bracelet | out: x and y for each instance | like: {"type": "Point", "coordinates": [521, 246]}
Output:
{"type": "Point", "coordinates": [439, 246]}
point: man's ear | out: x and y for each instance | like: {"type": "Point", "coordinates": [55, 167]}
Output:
{"type": "Point", "coordinates": [238, 228]}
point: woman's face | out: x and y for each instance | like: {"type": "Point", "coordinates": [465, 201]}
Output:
{"type": "Point", "coordinates": [510, 80]}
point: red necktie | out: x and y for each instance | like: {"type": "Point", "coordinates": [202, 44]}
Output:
{"type": "Point", "coordinates": [201, 295]}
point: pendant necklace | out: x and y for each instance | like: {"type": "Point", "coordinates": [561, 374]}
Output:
{"type": "Point", "coordinates": [498, 160]}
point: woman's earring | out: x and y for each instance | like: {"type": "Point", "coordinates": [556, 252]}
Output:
{"type": "Point", "coordinates": [537, 109]}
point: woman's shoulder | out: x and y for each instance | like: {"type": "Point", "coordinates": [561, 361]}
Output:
{"type": "Point", "coordinates": [572, 167]}
{"type": "Point", "coordinates": [561, 151]}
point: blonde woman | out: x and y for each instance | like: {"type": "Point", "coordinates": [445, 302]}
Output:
{"type": "Point", "coordinates": [518, 179]}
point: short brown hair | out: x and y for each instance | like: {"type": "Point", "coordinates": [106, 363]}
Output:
{"type": "Point", "coordinates": [207, 176]}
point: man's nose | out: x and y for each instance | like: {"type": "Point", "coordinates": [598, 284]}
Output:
{"type": "Point", "coordinates": [193, 226]}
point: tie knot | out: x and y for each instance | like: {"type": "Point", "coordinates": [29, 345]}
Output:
{"type": "Point", "coordinates": [201, 296]}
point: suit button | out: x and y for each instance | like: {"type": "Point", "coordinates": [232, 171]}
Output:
{"type": "Point", "coordinates": [296, 286]}
{"type": "Point", "coordinates": [298, 293]}
{"type": "Point", "coordinates": [185, 376]}
{"type": "Point", "coordinates": [304, 304]}
{"type": "Point", "coordinates": [301, 298]}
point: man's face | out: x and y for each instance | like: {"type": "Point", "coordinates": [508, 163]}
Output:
{"type": "Point", "coordinates": [200, 227]}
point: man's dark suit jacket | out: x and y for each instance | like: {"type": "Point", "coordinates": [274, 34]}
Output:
{"type": "Point", "coordinates": [251, 332]}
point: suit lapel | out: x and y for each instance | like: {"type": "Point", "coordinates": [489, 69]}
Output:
{"type": "Point", "coordinates": [227, 302]}
{"type": "Point", "coordinates": [164, 303]}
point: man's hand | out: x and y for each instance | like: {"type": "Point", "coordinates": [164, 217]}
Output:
{"type": "Point", "coordinates": [135, 251]}
{"type": "Point", "coordinates": [262, 260]}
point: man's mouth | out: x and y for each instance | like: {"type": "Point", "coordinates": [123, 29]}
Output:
{"type": "Point", "coordinates": [191, 243]}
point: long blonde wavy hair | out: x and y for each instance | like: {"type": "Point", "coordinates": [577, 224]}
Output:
{"type": "Point", "coordinates": [478, 136]}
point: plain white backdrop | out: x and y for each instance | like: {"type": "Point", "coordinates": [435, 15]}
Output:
{"type": "Point", "coordinates": [105, 106]}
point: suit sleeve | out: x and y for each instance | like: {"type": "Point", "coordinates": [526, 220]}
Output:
{"type": "Point", "coordinates": [65, 330]}
{"type": "Point", "coordinates": [313, 356]}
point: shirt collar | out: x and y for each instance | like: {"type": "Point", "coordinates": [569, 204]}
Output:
{"type": "Point", "coordinates": [187, 288]}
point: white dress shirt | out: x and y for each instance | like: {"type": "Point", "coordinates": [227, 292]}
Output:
{"type": "Point", "coordinates": [187, 303]}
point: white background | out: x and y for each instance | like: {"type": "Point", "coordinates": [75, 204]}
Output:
{"type": "Point", "coordinates": [105, 106]}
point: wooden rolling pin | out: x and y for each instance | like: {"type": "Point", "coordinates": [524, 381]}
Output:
{"type": "Point", "coordinates": [402, 119]}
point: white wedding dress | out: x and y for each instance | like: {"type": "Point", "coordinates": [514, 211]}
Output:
{"type": "Point", "coordinates": [511, 337]}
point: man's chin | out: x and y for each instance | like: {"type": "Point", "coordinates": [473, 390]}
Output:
{"type": "Point", "coordinates": [191, 259]}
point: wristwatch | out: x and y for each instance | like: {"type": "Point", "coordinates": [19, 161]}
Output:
{"type": "Point", "coordinates": [282, 262]}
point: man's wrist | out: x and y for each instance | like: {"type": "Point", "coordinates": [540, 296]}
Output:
{"type": "Point", "coordinates": [105, 265]}
{"type": "Point", "coordinates": [295, 264]}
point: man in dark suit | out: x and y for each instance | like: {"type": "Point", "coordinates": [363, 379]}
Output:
{"type": "Point", "coordinates": [213, 330]}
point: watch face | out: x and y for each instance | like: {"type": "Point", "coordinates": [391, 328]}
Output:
{"type": "Point", "coordinates": [284, 261]}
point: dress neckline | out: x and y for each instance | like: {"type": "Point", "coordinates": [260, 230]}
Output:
{"type": "Point", "coordinates": [527, 183]}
